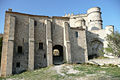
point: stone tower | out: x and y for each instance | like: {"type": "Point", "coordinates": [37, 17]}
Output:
{"type": "Point", "coordinates": [94, 19]}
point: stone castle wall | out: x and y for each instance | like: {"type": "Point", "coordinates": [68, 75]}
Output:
{"type": "Point", "coordinates": [29, 40]}
{"type": "Point", "coordinates": [78, 46]}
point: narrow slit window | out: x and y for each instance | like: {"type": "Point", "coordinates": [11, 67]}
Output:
{"type": "Point", "coordinates": [44, 55]}
{"type": "Point", "coordinates": [35, 23]}
{"type": "Point", "coordinates": [76, 33]}
{"type": "Point", "coordinates": [19, 49]}
{"type": "Point", "coordinates": [40, 45]}
{"type": "Point", "coordinates": [18, 64]}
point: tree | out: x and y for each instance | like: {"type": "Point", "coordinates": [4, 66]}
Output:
{"type": "Point", "coordinates": [113, 43]}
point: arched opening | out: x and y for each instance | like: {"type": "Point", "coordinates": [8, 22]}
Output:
{"type": "Point", "coordinates": [57, 54]}
{"type": "Point", "coordinates": [96, 48]}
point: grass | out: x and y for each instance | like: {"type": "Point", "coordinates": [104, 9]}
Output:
{"type": "Point", "coordinates": [41, 74]}
{"type": "Point", "coordinates": [92, 72]}
{"type": "Point", "coordinates": [106, 70]}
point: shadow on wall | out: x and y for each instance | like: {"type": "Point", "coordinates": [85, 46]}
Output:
{"type": "Point", "coordinates": [57, 43]}
{"type": "Point", "coordinates": [77, 50]}
{"type": "Point", "coordinates": [94, 28]}
{"type": "Point", "coordinates": [95, 45]}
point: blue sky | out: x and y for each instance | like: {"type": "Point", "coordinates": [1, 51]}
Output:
{"type": "Point", "coordinates": [110, 9]}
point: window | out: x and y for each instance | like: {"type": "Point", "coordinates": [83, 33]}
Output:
{"type": "Point", "coordinates": [35, 23]}
{"type": "Point", "coordinates": [76, 33]}
{"type": "Point", "coordinates": [18, 64]}
{"type": "Point", "coordinates": [44, 55]}
{"type": "Point", "coordinates": [19, 49]}
{"type": "Point", "coordinates": [40, 45]}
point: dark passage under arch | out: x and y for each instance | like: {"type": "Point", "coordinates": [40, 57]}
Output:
{"type": "Point", "coordinates": [96, 48]}
{"type": "Point", "coordinates": [57, 54]}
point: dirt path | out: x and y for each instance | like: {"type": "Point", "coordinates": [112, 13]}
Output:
{"type": "Point", "coordinates": [68, 68]}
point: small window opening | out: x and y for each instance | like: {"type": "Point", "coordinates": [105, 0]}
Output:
{"type": "Point", "coordinates": [18, 64]}
{"type": "Point", "coordinates": [76, 33]}
{"type": "Point", "coordinates": [40, 45]}
{"type": "Point", "coordinates": [35, 23]}
{"type": "Point", "coordinates": [19, 49]}
{"type": "Point", "coordinates": [44, 55]}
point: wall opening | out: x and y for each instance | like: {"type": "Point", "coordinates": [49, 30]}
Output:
{"type": "Point", "coordinates": [19, 49]}
{"type": "Point", "coordinates": [40, 45]}
{"type": "Point", "coordinates": [57, 54]}
{"type": "Point", "coordinates": [35, 23]}
{"type": "Point", "coordinates": [18, 64]}
{"type": "Point", "coordinates": [76, 34]}
{"type": "Point", "coordinates": [96, 48]}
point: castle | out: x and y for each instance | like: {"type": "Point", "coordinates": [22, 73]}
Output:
{"type": "Point", "coordinates": [34, 41]}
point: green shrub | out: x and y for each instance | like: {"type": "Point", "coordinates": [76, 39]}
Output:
{"type": "Point", "coordinates": [113, 43]}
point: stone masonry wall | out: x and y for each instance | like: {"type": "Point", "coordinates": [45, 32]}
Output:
{"type": "Point", "coordinates": [78, 46]}
{"type": "Point", "coordinates": [21, 39]}
{"type": "Point", "coordinates": [28, 39]}
{"type": "Point", "coordinates": [40, 37]}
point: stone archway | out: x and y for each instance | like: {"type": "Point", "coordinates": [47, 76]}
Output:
{"type": "Point", "coordinates": [57, 54]}
{"type": "Point", "coordinates": [96, 47]}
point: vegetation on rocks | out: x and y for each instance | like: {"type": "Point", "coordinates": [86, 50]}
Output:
{"type": "Point", "coordinates": [113, 43]}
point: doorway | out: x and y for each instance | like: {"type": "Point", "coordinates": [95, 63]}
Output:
{"type": "Point", "coordinates": [57, 54]}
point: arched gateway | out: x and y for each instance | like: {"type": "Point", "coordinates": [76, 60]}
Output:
{"type": "Point", "coordinates": [57, 54]}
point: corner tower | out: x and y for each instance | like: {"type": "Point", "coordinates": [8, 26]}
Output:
{"type": "Point", "coordinates": [94, 18]}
